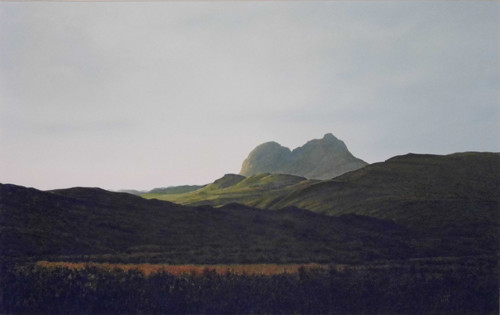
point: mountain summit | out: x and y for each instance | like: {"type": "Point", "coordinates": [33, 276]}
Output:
{"type": "Point", "coordinates": [317, 159]}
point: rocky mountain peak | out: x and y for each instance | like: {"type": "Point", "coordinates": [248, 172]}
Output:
{"type": "Point", "coordinates": [329, 137]}
{"type": "Point", "coordinates": [318, 159]}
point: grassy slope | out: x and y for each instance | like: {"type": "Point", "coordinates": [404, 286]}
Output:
{"type": "Point", "coordinates": [257, 191]}
{"type": "Point", "coordinates": [412, 189]}
{"type": "Point", "coordinates": [119, 227]}
{"type": "Point", "coordinates": [415, 190]}
{"type": "Point", "coordinates": [174, 189]}
{"type": "Point", "coordinates": [455, 197]}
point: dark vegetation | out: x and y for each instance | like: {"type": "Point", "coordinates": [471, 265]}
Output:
{"type": "Point", "coordinates": [416, 288]}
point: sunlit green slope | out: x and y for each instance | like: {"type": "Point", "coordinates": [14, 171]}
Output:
{"type": "Point", "coordinates": [260, 191]}
{"type": "Point", "coordinates": [456, 194]}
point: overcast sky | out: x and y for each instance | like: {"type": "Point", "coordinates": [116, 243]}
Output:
{"type": "Point", "coordinates": [143, 95]}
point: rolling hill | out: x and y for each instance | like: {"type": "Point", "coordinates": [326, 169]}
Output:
{"type": "Point", "coordinates": [98, 225]}
{"type": "Point", "coordinates": [409, 206]}
{"type": "Point", "coordinates": [256, 191]}
{"type": "Point", "coordinates": [412, 189]}
{"type": "Point", "coordinates": [454, 196]}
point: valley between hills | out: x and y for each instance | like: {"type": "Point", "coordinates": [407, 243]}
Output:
{"type": "Point", "coordinates": [410, 208]}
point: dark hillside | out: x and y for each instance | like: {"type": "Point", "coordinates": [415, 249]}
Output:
{"type": "Point", "coordinates": [457, 187]}
{"type": "Point", "coordinates": [455, 197]}
{"type": "Point", "coordinates": [78, 222]}
{"type": "Point", "coordinates": [425, 191]}
{"type": "Point", "coordinates": [419, 205]}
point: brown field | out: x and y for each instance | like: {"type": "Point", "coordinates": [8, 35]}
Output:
{"type": "Point", "coordinates": [147, 269]}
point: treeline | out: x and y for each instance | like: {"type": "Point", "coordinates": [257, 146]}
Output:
{"type": "Point", "coordinates": [33, 289]}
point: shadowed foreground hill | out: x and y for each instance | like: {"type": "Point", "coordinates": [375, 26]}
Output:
{"type": "Point", "coordinates": [66, 224]}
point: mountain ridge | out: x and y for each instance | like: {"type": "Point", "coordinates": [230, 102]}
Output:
{"type": "Point", "coordinates": [317, 159]}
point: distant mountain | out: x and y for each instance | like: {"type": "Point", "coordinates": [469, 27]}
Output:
{"type": "Point", "coordinates": [174, 189]}
{"type": "Point", "coordinates": [317, 159]}
{"type": "Point", "coordinates": [171, 190]}
{"type": "Point", "coordinates": [132, 191]}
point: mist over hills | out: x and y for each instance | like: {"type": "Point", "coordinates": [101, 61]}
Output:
{"type": "Point", "coordinates": [317, 159]}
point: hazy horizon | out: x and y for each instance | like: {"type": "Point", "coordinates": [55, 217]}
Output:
{"type": "Point", "coordinates": [132, 95]}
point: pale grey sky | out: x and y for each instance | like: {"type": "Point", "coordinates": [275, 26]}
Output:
{"type": "Point", "coordinates": [142, 95]}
